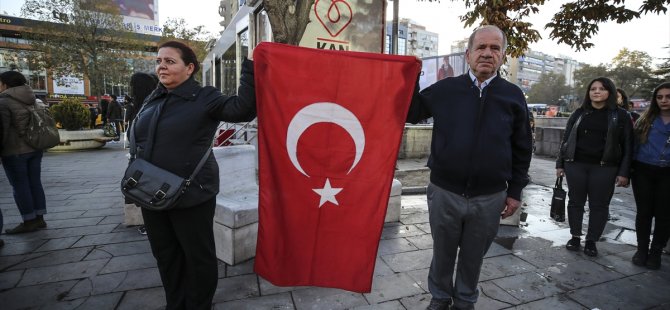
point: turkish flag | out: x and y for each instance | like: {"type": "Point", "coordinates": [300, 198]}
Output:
{"type": "Point", "coordinates": [330, 124]}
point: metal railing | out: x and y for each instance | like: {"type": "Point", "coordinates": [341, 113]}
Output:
{"type": "Point", "coordinates": [236, 133]}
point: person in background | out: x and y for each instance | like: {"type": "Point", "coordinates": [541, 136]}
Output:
{"type": "Point", "coordinates": [623, 102]}
{"type": "Point", "coordinates": [595, 155]}
{"type": "Point", "coordinates": [21, 162]}
{"type": "Point", "coordinates": [129, 108]}
{"type": "Point", "coordinates": [115, 116]}
{"type": "Point", "coordinates": [479, 160]}
{"type": "Point", "coordinates": [93, 116]}
{"type": "Point", "coordinates": [651, 178]}
{"type": "Point", "coordinates": [182, 238]}
{"type": "Point", "coordinates": [104, 104]}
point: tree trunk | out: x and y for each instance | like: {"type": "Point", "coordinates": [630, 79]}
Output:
{"type": "Point", "coordinates": [289, 19]}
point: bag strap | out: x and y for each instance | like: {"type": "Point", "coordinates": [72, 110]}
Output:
{"type": "Point", "coordinates": [152, 133]}
{"type": "Point", "coordinates": [559, 182]}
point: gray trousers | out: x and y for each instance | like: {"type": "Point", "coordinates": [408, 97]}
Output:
{"type": "Point", "coordinates": [465, 226]}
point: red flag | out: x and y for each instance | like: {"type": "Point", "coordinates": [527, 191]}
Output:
{"type": "Point", "coordinates": [330, 124]}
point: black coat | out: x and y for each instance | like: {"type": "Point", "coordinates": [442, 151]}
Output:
{"type": "Point", "coordinates": [186, 126]}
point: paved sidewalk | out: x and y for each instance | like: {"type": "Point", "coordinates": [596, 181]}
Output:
{"type": "Point", "coordinates": [87, 258]}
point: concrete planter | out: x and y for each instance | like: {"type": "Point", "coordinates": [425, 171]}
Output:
{"type": "Point", "coordinates": [76, 140]}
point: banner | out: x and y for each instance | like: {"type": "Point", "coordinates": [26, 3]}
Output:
{"type": "Point", "coordinates": [330, 124]}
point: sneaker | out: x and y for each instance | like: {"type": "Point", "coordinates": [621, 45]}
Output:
{"type": "Point", "coordinates": [654, 258]}
{"type": "Point", "coordinates": [142, 230]}
{"type": "Point", "coordinates": [590, 248]}
{"type": "Point", "coordinates": [439, 304]}
{"type": "Point", "coordinates": [640, 258]}
{"type": "Point", "coordinates": [25, 227]}
{"type": "Point", "coordinates": [40, 222]}
{"type": "Point", "coordinates": [573, 244]}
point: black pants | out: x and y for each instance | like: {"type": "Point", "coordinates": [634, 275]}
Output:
{"type": "Point", "coordinates": [596, 183]}
{"type": "Point", "coordinates": [182, 241]}
{"type": "Point", "coordinates": [651, 187]}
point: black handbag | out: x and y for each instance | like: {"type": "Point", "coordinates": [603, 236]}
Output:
{"type": "Point", "coordinates": [558, 201]}
{"type": "Point", "coordinates": [149, 186]}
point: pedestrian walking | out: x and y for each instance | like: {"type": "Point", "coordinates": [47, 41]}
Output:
{"type": "Point", "coordinates": [595, 155]}
{"type": "Point", "coordinates": [480, 154]}
{"type": "Point", "coordinates": [182, 238]}
{"type": "Point", "coordinates": [21, 162]}
{"type": "Point", "coordinates": [115, 116]}
{"type": "Point", "coordinates": [651, 178]}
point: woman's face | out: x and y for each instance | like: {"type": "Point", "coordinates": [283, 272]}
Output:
{"type": "Point", "coordinates": [598, 93]}
{"type": "Point", "coordinates": [619, 99]}
{"type": "Point", "coordinates": [663, 99]}
{"type": "Point", "coordinates": [171, 69]}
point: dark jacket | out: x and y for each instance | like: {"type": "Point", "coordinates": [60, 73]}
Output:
{"type": "Point", "coordinates": [470, 159]}
{"type": "Point", "coordinates": [114, 111]}
{"type": "Point", "coordinates": [14, 105]}
{"type": "Point", "coordinates": [186, 126]}
{"type": "Point", "coordinates": [618, 144]}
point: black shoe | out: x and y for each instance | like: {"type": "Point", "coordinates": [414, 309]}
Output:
{"type": "Point", "coordinates": [640, 257]}
{"type": "Point", "coordinates": [2, 243]}
{"type": "Point", "coordinates": [25, 227]}
{"type": "Point", "coordinates": [439, 304]}
{"type": "Point", "coordinates": [654, 258]}
{"type": "Point", "coordinates": [590, 248]}
{"type": "Point", "coordinates": [40, 222]}
{"type": "Point", "coordinates": [573, 244]}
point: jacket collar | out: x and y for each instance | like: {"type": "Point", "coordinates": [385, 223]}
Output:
{"type": "Point", "coordinates": [187, 90]}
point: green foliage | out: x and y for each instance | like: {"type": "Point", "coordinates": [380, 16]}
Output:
{"type": "Point", "coordinates": [70, 114]}
{"type": "Point", "coordinates": [549, 89]}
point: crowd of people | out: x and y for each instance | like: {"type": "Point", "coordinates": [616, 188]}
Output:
{"type": "Point", "coordinates": [479, 160]}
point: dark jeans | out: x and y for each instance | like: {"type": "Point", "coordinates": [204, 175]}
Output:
{"type": "Point", "coordinates": [23, 172]}
{"type": "Point", "coordinates": [596, 183]}
{"type": "Point", "coordinates": [651, 187]}
{"type": "Point", "coordinates": [182, 241]}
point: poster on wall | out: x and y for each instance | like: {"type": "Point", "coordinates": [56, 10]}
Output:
{"type": "Point", "coordinates": [346, 25]}
{"type": "Point", "coordinates": [140, 16]}
{"type": "Point", "coordinates": [68, 85]}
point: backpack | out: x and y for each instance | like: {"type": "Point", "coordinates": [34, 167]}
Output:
{"type": "Point", "coordinates": [41, 132]}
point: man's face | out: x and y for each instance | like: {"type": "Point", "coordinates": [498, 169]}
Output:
{"type": "Point", "coordinates": [486, 54]}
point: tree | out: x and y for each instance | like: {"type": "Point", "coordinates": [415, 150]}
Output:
{"type": "Point", "coordinates": [197, 37]}
{"type": "Point", "coordinates": [289, 19]}
{"type": "Point", "coordinates": [631, 70]}
{"type": "Point", "coordinates": [585, 75]}
{"type": "Point", "coordinates": [82, 38]}
{"type": "Point", "coordinates": [549, 89]}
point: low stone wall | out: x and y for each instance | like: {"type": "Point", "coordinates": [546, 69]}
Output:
{"type": "Point", "coordinates": [548, 140]}
{"type": "Point", "coordinates": [415, 141]}
{"type": "Point", "coordinates": [541, 121]}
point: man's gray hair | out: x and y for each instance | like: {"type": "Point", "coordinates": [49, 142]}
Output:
{"type": "Point", "coordinates": [488, 27]}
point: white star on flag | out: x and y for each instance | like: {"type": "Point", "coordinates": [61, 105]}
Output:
{"type": "Point", "coordinates": [327, 193]}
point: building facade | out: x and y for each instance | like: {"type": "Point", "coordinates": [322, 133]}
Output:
{"type": "Point", "coordinates": [413, 39]}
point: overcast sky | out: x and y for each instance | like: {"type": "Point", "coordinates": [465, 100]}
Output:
{"type": "Point", "coordinates": [650, 34]}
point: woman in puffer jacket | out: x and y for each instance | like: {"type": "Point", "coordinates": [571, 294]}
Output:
{"type": "Point", "coordinates": [21, 162]}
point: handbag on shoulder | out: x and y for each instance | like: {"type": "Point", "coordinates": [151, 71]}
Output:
{"type": "Point", "coordinates": [149, 186]}
{"type": "Point", "coordinates": [558, 201]}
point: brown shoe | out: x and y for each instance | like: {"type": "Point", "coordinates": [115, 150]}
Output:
{"type": "Point", "coordinates": [25, 227]}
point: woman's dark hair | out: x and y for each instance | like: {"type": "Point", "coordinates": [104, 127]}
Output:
{"type": "Point", "coordinates": [141, 86]}
{"type": "Point", "coordinates": [187, 54]}
{"type": "Point", "coordinates": [611, 98]}
{"type": "Point", "coordinates": [624, 99]}
{"type": "Point", "coordinates": [13, 79]}
{"type": "Point", "coordinates": [647, 118]}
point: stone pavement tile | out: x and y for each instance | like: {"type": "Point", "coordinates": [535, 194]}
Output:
{"type": "Point", "coordinates": [140, 279]}
{"type": "Point", "coordinates": [58, 244]}
{"type": "Point", "coordinates": [558, 302]}
{"type": "Point", "coordinates": [503, 266]}
{"type": "Point", "coordinates": [105, 211]}
{"type": "Point", "coordinates": [239, 287]}
{"type": "Point", "coordinates": [112, 219]}
{"type": "Point", "coordinates": [280, 301]}
{"type": "Point", "coordinates": [424, 227]}
{"type": "Point", "coordinates": [496, 250]}
{"type": "Point", "coordinates": [7, 261]}
{"type": "Point", "coordinates": [420, 277]}
{"type": "Point", "coordinates": [151, 298]}
{"type": "Point", "coordinates": [98, 302]}
{"type": "Point", "coordinates": [52, 258]}
{"type": "Point", "coordinates": [409, 261]}
{"type": "Point", "coordinates": [109, 238]}
{"type": "Point", "coordinates": [392, 246]}
{"type": "Point", "coordinates": [416, 302]}
{"type": "Point", "coordinates": [485, 303]}
{"type": "Point", "coordinates": [97, 285]}
{"type": "Point", "coordinates": [86, 231]}
{"type": "Point", "coordinates": [63, 215]}
{"type": "Point", "coordinates": [581, 273]}
{"type": "Point", "coordinates": [62, 272]}
{"type": "Point", "coordinates": [17, 248]}
{"type": "Point", "coordinates": [528, 287]}
{"type": "Point", "coordinates": [543, 258]}
{"type": "Point", "coordinates": [240, 269]}
{"type": "Point", "coordinates": [390, 287]}
{"type": "Point", "coordinates": [491, 292]}
{"type": "Point", "coordinates": [381, 268]}
{"type": "Point", "coordinates": [268, 288]}
{"type": "Point", "coordinates": [417, 217]}
{"type": "Point", "coordinates": [317, 298]}
{"type": "Point", "coordinates": [636, 292]}
{"type": "Point", "coordinates": [389, 305]}
{"type": "Point", "coordinates": [621, 263]}
{"type": "Point", "coordinates": [9, 279]}
{"type": "Point", "coordinates": [613, 247]}
{"type": "Point", "coordinates": [119, 249]}
{"type": "Point", "coordinates": [422, 241]}
{"type": "Point", "coordinates": [35, 296]}
{"type": "Point", "coordinates": [400, 231]}
{"type": "Point", "coordinates": [414, 201]}
{"type": "Point", "coordinates": [129, 262]}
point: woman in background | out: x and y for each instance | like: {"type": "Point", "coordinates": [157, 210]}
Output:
{"type": "Point", "coordinates": [596, 153]}
{"type": "Point", "coordinates": [651, 178]}
{"type": "Point", "coordinates": [623, 102]}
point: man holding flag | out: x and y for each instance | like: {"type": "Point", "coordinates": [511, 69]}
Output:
{"type": "Point", "coordinates": [480, 154]}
